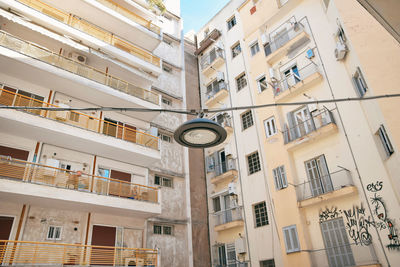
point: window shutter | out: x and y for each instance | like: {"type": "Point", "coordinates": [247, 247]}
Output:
{"type": "Point", "coordinates": [295, 241]}
{"type": "Point", "coordinates": [215, 257]}
{"type": "Point", "coordinates": [210, 163]}
{"type": "Point", "coordinates": [288, 242]}
{"type": "Point", "coordinates": [283, 177]}
{"type": "Point", "coordinates": [276, 179]}
{"type": "Point", "coordinates": [357, 86]}
{"type": "Point", "coordinates": [326, 178]}
{"type": "Point", "coordinates": [292, 127]}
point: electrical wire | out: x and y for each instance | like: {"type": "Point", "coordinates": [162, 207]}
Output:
{"type": "Point", "coordinates": [202, 111]}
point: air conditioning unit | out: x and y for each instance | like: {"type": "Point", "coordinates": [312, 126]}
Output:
{"type": "Point", "coordinates": [232, 189]}
{"type": "Point", "coordinates": [77, 57]}
{"type": "Point", "coordinates": [265, 38]}
{"type": "Point", "coordinates": [340, 51]}
{"type": "Point", "coordinates": [220, 76]}
{"type": "Point", "coordinates": [240, 245]}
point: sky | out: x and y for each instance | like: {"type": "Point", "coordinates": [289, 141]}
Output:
{"type": "Point", "coordinates": [196, 13]}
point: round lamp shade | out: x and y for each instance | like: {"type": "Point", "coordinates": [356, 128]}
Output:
{"type": "Point", "coordinates": [200, 133]}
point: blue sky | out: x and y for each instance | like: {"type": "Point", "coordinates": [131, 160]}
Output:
{"type": "Point", "coordinates": [196, 13]}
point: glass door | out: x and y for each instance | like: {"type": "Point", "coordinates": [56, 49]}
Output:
{"type": "Point", "coordinates": [303, 121]}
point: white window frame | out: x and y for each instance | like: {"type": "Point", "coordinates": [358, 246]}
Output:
{"type": "Point", "coordinates": [168, 138]}
{"type": "Point", "coordinates": [252, 45]}
{"type": "Point", "coordinates": [268, 123]}
{"type": "Point", "coordinates": [166, 101]}
{"type": "Point", "coordinates": [359, 83]}
{"type": "Point", "coordinates": [386, 143]}
{"type": "Point", "coordinates": [162, 226]}
{"type": "Point", "coordinates": [54, 231]}
{"type": "Point", "coordinates": [241, 81]}
{"type": "Point", "coordinates": [291, 236]}
{"type": "Point", "coordinates": [280, 178]}
{"type": "Point", "coordinates": [262, 86]}
{"type": "Point", "coordinates": [163, 179]}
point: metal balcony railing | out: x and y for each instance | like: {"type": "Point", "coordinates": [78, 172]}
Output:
{"type": "Point", "coordinates": [344, 255]}
{"type": "Point", "coordinates": [317, 120]}
{"type": "Point", "coordinates": [32, 50]}
{"type": "Point", "coordinates": [228, 165]}
{"type": "Point", "coordinates": [228, 215]}
{"type": "Point", "coordinates": [293, 79]}
{"type": "Point", "coordinates": [209, 58]}
{"type": "Point", "coordinates": [283, 38]}
{"type": "Point", "coordinates": [127, 133]}
{"type": "Point", "coordinates": [324, 184]}
{"type": "Point", "coordinates": [29, 253]}
{"type": "Point", "coordinates": [91, 29]}
{"type": "Point", "coordinates": [218, 87]}
{"type": "Point", "coordinates": [131, 15]}
{"type": "Point", "coordinates": [62, 178]}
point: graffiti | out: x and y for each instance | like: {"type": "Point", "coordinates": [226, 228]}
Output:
{"type": "Point", "coordinates": [329, 214]}
{"type": "Point", "coordinates": [358, 224]}
{"type": "Point", "coordinates": [375, 187]}
{"type": "Point", "coordinates": [380, 211]}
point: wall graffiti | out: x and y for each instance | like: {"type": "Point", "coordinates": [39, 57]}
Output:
{"type": "Point", "coordinates": [380, 211]}
{"type": "Point", "coordinates": [358, 222]}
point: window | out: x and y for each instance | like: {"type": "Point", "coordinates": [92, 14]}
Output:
{"type": "Point", "coordinates": [270, 127]}
{"type": "Point", "coordinates": [236, 49]}
{"type": "Point", "coordinates": [166, 101]}
{"type": "Point", "coordinates": [318, 176]}
{"type": "Point", "coordinates": [219, 255]}
{"type": "Point", "coordinates": [254, 48]}
{"type": "Point", "coordinates": [267, 263]}
{"type": "Point", "coordinates": [162, 229]}
{"type": "Point", "coordinates": [166, 68]}
{"type": "Point", "coordinates": [260, 214]}
{"type": "Point", "coordinates": [359, 83]}
{"type": "Point", "coordinates": [247, 119]}
{"type": "Point", "coordinates": [387, 145]}
{"type": "Point", "coordinates": [280, 177]}
{"type": "Point", "coordinates": [291, 239]}
{"type": "Point", "coordinates": [231, 255]}
{"type": "Point", "coordinates": [165, 137]}
{"type": "Point", "coordinates": [73, 116]}
{"type": "Point", "coordinates": [54, 233]}
{"type": "Point", "coordinates": [253, 162]}
{"type": "Point", "coordinates": [163, 181]}
{"type": "Point", "coordinates": [262, 84]}
{"type": "Point", "coordinates": [231, 22]}
{"type": "Point", "coordinates": [241, 81]}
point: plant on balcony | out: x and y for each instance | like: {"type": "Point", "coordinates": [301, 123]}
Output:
{"type": "Point", "coordinates": [157, 4]}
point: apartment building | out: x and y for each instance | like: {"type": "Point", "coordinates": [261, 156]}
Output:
{"type": "Point", "coordinates": [92, 187]}
{"type": "Point", "coordinates": [240, 217]}
{"type": "Point", "coordinates": [331, 168]}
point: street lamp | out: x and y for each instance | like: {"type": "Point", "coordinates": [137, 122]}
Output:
{"type": "Point", "coordinates": [200, 133]}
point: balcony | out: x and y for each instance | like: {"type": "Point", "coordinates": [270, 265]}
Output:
{"type": "Point", "coordinates": [228, 219]}
{"type": "Point", "coordinates": [345, 255]}
{"type": "Point", "coordinates": [281, 44]}
{"type": "Point", "coordinates": [217, 94]}
{"type": "Point", "coordinates": [224, 172]}
{"type": "Point", "coordinates": [207, 41]}
{"type": "Point", "coordinates": [104, 89]}
{"type": "Point", "coordinates": [27, 181]}
{"type": "Point", "coordinates": [334, 185]}
{"type": "Point", "coordinates": [100, 137]}
{"type": "Point", "coordinates": [294, 85]}
{"type": "Point", "coordinates": [89, 33]}
{"type": "Point", "coordinates": [212, 61]}
{"type": "Point", "coordinates": [320, 124]}
{"type": "Point", "coordinates": [28, 253]}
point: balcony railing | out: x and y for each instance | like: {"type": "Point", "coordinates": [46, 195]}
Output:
{"type": "Point", "coordinates": [227, 216]}
{"type": "Point", "coordinates": [218, 87]}
{"type": "Point", "coordinates": [29, 49]}
{"type": "Point", "coordinates": [324, 184]}
{"type": "Point", "coordinates": [91, 29]}
{"type": "Point", "coordinates": [317, 120]}
{"type": "Point", "coordinates": [131, 15]}
{"type": "Point", "coordinates": [344, 255]}
{"type": "Point", "coordinates": [209, 58]}
{"type": "Point", "coordinates": [28, 253]}
{"type": "Point", "coordinates": [42, 174]}
{"type": "Point", "coordinates": [228, 165]}
{"type": "Point", "coordinates": [82, 120]}
{"type": "Point", "coordinates": [293, 79]}
{"type": "Point", "coordinates": [283, 38]}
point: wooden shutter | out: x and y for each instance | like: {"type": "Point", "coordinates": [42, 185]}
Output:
{"type": "Point", "coordinates": [283, 176]}
{"type": "Point", "coordinates": [276, 179]}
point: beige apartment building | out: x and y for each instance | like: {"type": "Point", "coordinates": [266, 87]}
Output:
{"type": "Point", "coordinates": [93, 187]}
{"type": "Point", "coordinates": [240, 217]}
{"type": "Point", "coordinates": [331, 168]}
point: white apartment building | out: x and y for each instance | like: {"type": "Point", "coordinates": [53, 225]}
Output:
{"type": "Point", "coordinates": [92, 187]}
{"type": "Point", "coordinates": [240, 213]}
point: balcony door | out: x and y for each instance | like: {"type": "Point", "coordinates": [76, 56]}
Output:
{"type": "Point", "coordinates": [291, 76]}
{"type": "Point", "coordinates": [6, 224]}
{"type": "Point", "coordinates": [105, 237]}
{"type": "Point", "coordinates": [222, 161]}
{"type": "Point", "coordinates": [318, 176]}
{"type": "Point", "coordinates": [228, 210]}
{"type": "Point", "coordinates": [338, 249]}
{"type": "Point", "coordinates": [303, 121]}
